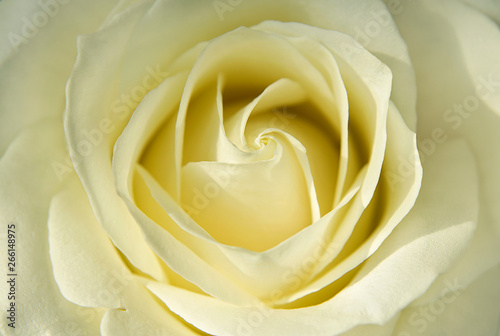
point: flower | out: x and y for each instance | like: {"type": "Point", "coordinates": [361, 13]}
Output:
{"type": "Point", "coordinates": [243, 167]}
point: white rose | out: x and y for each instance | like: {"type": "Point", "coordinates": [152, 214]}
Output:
{"type": "Point", "coordinates": [248, 167]}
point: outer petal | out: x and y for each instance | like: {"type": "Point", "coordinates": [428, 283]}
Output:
{"type": "Point", "coordinates": [458, 76]}
{"type": "Point", "coordinates": [91, 90]}
{"type": "Point", "coordinates": [490, 8]}
{"type": "Point", "coordinates": [33, 75]}
{"type": "Point", "coordinates": [133, 322]}
{"type": "Point", "coordinates": [27, 185]}
{"type": "Point", "coordinates": [375, 329]}
{"type": "Point", "coordinates": [478, 304]}
{"type": "Point", "coordinates": [464, 311]}
{"type": "Point", "coordinates": [89, 271]}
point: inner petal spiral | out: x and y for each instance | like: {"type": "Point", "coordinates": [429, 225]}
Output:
{"type": "Point", "coordinates": [254, 136]}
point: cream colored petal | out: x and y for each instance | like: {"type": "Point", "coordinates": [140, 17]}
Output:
{"type": "Point", "coordinates": [93, 119]}
{"type": "Point", "coordinates": [308, 125]}
{"type": "Point", "coordinates": [200, 21]}
{"type": "Point", "coordinates": [489, 8]}
{"type": "Point", "coordinates": [130, 135]}
{"type": "Point", "coordinates": [368, 85]}
{"type": "Point", "coordinates": [129, 58]}
{"type": "Point", "coordinates": [381, 134]}
{"type": "Point", "coordinates": [202, 129]}
{"type": "Point", "coordinates": [28, 183]}
{"type": "Point", "coordinates": [186, 263]}
{"type": "Point", "coordinates": [376, 154]}
{"type": "Point", "coordinates": [294, 147]}
{"type": "Point", "coordinates": [355, 239]}
{"type": "Point", "coordinates": [126, 152]}
{"type": "Point", "coordinates": [235, 70]}
{"type": "Point", "coordinates": [206, 138]}
{"type": "Point", "coordinates": [462, 311]}
{"type": "Point", "coordinates": [332, 118]}
{"type": "Point", "coordinates": [142, 120]}
{"type": "Point", "coordinates": [120, 6]}
{"type": "Point", "coordinates": [136, 322]}
{"type": "Point", "coordinates": [374, 329]}
{"type": "Point", "coordinates": [458, 76]}
{"type": "Point", "coordinates": [260, 206]}
{"type": "Point", "coordinates": [153, 113]}
{"type": "Point", "coordinates": [382, 287]}
{"type": "Point", "coordinates": [171, 207]}
{"type": "Point", "coordinates": [372, 179]}
{"type": "Point", "coordinates": [318, 151]}
{"type": "Point", "coordinates": [246, 267]}
{"type": "Point", "coordinates": [37, 53]}
{"type": "Point", "coordinates": [372, 26]}
{"type": "Point", "coordinates": [187, 95]}
{"type": "Point", "coordinates": [283, 92]}
{"type": "Point", "coordinates": [230, 191]}
{"type": "Point", "coordinates": [87, 268]}
{"type": "Point", "coordinates": [246, 52]}
{"type": "Point", "coordinates": [242, 256]}
{"type": "Point", "coordinates": [480, 255]}
{"type": "Point", "coordinates": [90, 272]}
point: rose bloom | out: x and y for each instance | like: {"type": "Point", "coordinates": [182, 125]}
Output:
{"type": "Point", "coordinates": [250, 167]}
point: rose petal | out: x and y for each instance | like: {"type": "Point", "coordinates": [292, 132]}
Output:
{"type": "Point", "coordinates": [489, 8]}
{"type": "Point", "coordinates": [136, 322]}
{"type": "Point", "coordinates": [87, 267]}
{"type": "Point", "coordinates": [245, 212]}
{"type": "Point", "coordinates": [480, 255]}
{"type": "Point", "coordinates": [90, 128]}
{"type": "Point", "coordinates": [28, 183]}
{"type": "Point", "coordinates": [368, 72]}
{"type": "Point", "coordinates": [24, 33]}
{"type": "Point", "coordinates": [374, 329]}
{"type": "Point", "coordinates": [283, 92]}
{"type": "Point", "coordinates": [381, 288]}
{"type": "Point", "coordinates": [200, 21]}
{"type": "Point", "coordinates": [244, 48]}
{"type": "Point", "coordinates": [129, 144]}
{"type": "Point", "coordinates": [439, 41]}
{"type": "Point", "coordinates": [471, 310]}
{"type": "Point", "coordinates": [132, 66]}
{"type": "Point", "coordinates": [367, 82]}
{"type": "Point", "coordinates": [355, 239]}
{"type": "Point", "coordinates": [322, 152]}
{"type": "Point", "coordinates": [90, 272]}
{"type": "Point", "coordinates": [154, 110]}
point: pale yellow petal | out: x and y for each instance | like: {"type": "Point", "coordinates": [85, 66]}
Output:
{"type": "Point", "coordinates": [382, 287]}
{"type": "Point", "coordinates": [28, 183]}
{"type": "Point", "coordinates": [458, 76]}
{"type": "Point", "coordinates": [90, 272]}
{"type": "Point", "coordinates": [462, 311]}
{"type": "Point", "coordinates": [94, 116]}
{"type": "Point", "coordinates": [37, 53]}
